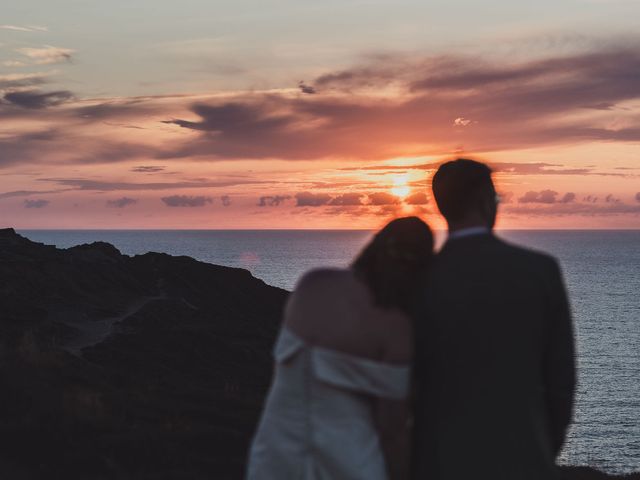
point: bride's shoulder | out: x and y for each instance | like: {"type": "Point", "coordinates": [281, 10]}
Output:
{"type": "Point", "coordinates": [323, 277]}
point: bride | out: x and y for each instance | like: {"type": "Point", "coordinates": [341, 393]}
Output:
{"type": "Point", "coordinates": [338, 405]}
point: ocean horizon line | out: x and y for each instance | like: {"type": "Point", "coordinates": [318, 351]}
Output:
{"type": "Point", "coordinates": [303, 229]}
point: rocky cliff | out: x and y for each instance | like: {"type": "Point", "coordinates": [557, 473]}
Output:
{"type": "Point", "coordinates": [144, 367]}
{"type": "Point", "coordinates": [112, 366]}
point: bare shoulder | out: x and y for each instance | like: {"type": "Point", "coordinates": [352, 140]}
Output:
{"type": "Point", "coordinates": [318, 302]}
{"type": "Point", "coordinates": [322, 277]}
{"type": "Point", "coordinates": [315, 286]}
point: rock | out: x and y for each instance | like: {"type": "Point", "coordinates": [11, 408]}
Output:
{"type": "Point", "coordinates": [112, 366]}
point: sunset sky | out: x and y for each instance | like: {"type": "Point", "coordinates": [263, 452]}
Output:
{"type": "Point", "coordinates": [326, 114]}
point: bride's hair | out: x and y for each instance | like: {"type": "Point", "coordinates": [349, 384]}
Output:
{"type": "Point", "coordinates": [393, 264]}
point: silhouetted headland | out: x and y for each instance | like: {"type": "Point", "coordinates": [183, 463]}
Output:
{"type": "Point", "coordinates": [146, 367]}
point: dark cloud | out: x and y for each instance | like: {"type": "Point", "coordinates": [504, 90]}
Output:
{"type": "Point", "coordinates": [148, 168]}
{"type": "Point", "coordinates": [47, 54]}
{"type": "Point", "coordinates": [26, 193]}
{"type": "Point", "coordinates": [388, 211]}
{"type": "Point", "coordinates": [347, 199]}
{"type": "Point", "coordinates": [35, 99]}
{"type": "Point", "coordinates": [544, 196]}
{"type": "Point", "coordinates": [341, 203]}
{"type": "Point", "coordinates": [383, 198]}
{"type": "Point", "coordinates": [515, 104]}
{"type": "Point", "coordinates": [226, 200]}
{"type": "Point", "coordinates": [23, 80]}
{"type": "Point", "coordinates": [308, 89]}
{"type": "Point", "coordinates": [348, 210]}
{"type": "Point", "coordinates": [29, 148]}
{"type": "Point", "coordinates": [20, 148]}
{"type": "Point", "coordinates": [573, 208]}
{"type": "Point", "coordinates": [272, 200]}
{"type": "Point", "coordinates": [35, 203]}
{"type": "Point", "coordinates": [118, 110]}
{"type": "Point", "coordinates": [234, 117]}
{"type": "Point", "coordinates": [121, 202]}
{"type": "Point", "coordinates": [600, 106]}
{"type": "Point", "coordinates": [568, 205]}
{"type": "Point", "coordinates": [308, 199]}
{"type": "Point", "coordinates": [638, 197]}
{"type": "Point", "coordinates": [419, 198]}
{"type": "Point", "coordinates": [514, 168]}
{"type": "Point", "coordinates": [104, 186]}
{"type": "Point", "coordinates": [186, 201]}
{"type": "Point", "coordinates": [510, 113]}
{"type": "Point", "coordinates": [539, 168]}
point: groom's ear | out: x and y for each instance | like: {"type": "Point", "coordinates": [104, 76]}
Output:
{"type": "Point", "coordinates": [491, 208]}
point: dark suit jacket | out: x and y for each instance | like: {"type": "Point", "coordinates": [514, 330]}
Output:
{"type": "Point", "coordinates": [494, 364]}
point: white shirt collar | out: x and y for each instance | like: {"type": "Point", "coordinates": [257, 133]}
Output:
{"type": "Point", "coordinates": [468, 232]}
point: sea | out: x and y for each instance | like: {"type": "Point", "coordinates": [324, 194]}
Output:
{"type": "Point", "coordinates": [602, 274]}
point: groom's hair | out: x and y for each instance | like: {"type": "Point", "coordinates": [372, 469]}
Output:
{"type": "Point", "coordinates": [459, 186]}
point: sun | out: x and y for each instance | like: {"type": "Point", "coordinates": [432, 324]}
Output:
{"type": "Point", "coordinates": [400, 187]}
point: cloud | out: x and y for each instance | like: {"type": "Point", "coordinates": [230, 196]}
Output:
{"type": "Point", "coordinates": [383, 198]}
{"type": "Point", "coordinates": [47, 54]}
{"type": "Point", "coordinates": [308, 89]}
{"type": "Point", "coordinates": [22, 147]}
{"type": "Point", "coordinates": [318, 126]}
{"type": "Point", "coordinates": [35, 203]}
{"type": "Point", "coordinates": [272, 200]}
{"type": "Point", "coordinates": [511, 168]}
{"type": "Point", "coordinates": [537, 168]}
{"type": "Point", "coordinates": [308, 199]}
{"type": "Point", "coordinates": [346, 202]}
{"type": "Point", "coordinates": [226, 200]}
{"type": "Point", "coordinates": [347, 199]}
{"type": "Point", "coordinates": [462, 122]}
{"type": "Point", "coordinates": [573, 208]}
{"type": "Point", "coordinates": [24, 28]}
{"type": "Point", "coordinates": [388, 211]}
{"type": "Point", "coordinates": [515, 104]}
{"type": "Point", "coordinates": [147, 168]}
{"type": "Point", "coordinates": [186, 201]}
{"type": "Point", "coordinates": [13, 64]}
{"type": "Point", "coordinates": [638, 197]}
{"type": "Point", "coordinates": [544, 196]}
{"type": "Point", "coordinates": [106, 186]}
{"type": "Point", "coordinates": [35, 99]}
{"type": "Point", "coordinates": [22, 80]}
{"type": "Point", "coordinates": [600, 106]}
{"type": "Point", "coordinates": [548, 197]}
{"type": "Point", "coordinates": [121, 202]}
{"type": "Point", "coordinates": [568, 205]}
{"type": "Point", "coordinates": [26, 193]}
{"type": "Point", "coordinates": [418, 198]}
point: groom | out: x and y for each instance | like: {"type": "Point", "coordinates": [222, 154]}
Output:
{"type": "Point", "coordinates": [495, 372]}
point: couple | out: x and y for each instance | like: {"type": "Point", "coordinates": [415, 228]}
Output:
{"type": "Point", "coordinates": [455, 366]}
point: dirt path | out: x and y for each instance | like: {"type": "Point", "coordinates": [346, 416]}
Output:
{"type": "Point", "coordinates": [93, 332]}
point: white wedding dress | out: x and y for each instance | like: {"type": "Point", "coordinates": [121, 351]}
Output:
{"type": "Point", "coordinates": [318, 420]}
